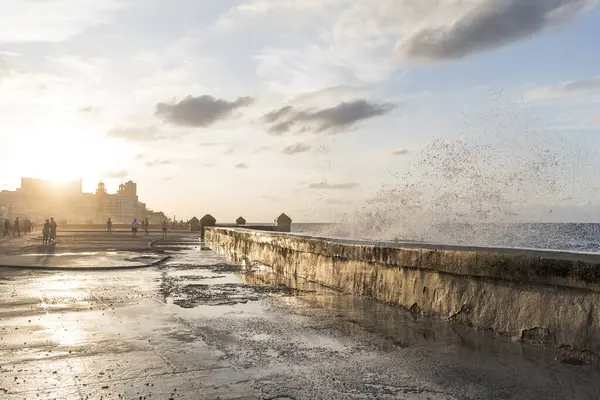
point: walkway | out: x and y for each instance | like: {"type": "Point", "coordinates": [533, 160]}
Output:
{"type": "Point", "coordinates": [198, 327]}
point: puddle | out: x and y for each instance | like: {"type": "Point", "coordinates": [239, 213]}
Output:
{"type": "Point", "coordinates": [224, 286]}
{"type": "Point", "coordinates": [394, 326]}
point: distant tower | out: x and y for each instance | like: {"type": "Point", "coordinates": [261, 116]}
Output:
{"type": "Point", "coordinates": [101, 188]}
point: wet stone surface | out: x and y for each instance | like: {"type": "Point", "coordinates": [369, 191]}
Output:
{"type": "Point", "coordinates": [221, 284]}
{"type": "Point", "coordinates": [199, 327]}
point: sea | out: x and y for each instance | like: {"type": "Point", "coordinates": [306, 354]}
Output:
{"type": "Point", "coordinates": [576, 237]}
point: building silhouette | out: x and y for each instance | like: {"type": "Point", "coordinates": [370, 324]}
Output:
{"type": "Point", "coordinates": [122, 206]}
{"type": "Point", "coordinates": [65, 201]}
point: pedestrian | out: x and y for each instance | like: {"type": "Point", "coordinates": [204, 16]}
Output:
{"type": "Point", "coordinates": [109, 226]}
{"type": "Point", "coordinates": [6, 227]}
{"type": "Point", "coordinates": [164, 229]}
{"type": "Point", "coordinates": [16, 227]}
{"type": "Point", "coordinates": [146, 226]}
{"type": "Point", "coordinates": [134, 226]}
{"type": "Point", "coordinates": [53, 228]}
{"type": "Point", "coordinates": [46, 232]}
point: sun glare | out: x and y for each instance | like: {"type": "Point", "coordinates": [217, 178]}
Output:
{"type": "Point", "coordinates": [64, 155]}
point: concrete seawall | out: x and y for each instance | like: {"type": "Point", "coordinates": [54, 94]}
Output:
{"type": "Point", "coordinates": [544, 297]}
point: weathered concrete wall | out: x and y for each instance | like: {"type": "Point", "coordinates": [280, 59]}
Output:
{"type": "Point", "coordinates": [550, 298]}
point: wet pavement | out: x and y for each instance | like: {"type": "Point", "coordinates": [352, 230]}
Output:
{"type": "Point", "coordinates": [90, 249]}
{"type": "Point", "coordinates": [199, 327]}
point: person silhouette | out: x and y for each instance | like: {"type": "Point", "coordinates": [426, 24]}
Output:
{"type": "Point", "coordinates": [46, 232]}
{"type": "Point", "coordinates": [53, 228]}
{"type": "Point", "coordinates": [16, 227]}
{"type": "Point", "coordinates": [134, 226]}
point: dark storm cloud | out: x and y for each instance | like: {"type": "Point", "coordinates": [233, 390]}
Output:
{"type": "Point", "coordinates": [296, 148]}
{"type": "Point", "coordinates": [333, 186]}
{"type": "Point", "coordinates": [201, 111]}
{"type": "Point", "coordinates": [326, 120]}
{"type": "Point", "coordinates": [491, 25]}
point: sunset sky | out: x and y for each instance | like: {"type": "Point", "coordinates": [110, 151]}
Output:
{"type": "Point", "coordinates": [306, 107]}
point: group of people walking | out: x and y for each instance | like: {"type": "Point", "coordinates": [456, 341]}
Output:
{"type": "Point", "coordinates": [28, 226]}
{"type": "Point", "coordinates": [48, 229]}
{"type": "Point", "coordinates": [135, 225]}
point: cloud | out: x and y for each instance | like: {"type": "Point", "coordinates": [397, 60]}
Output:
{"type": "Point", "coordinates": [242, 166]}
{"type": "Point", "coordinates": [565, 89]}
{"type": "Point", "coordinates": [326, 120]}
{"type": "Point", "coordinates": [155, 163]}
{"type": "Point", "coordinates": [296, 148]}
{"type": "Point", "coordinates": [201, 111]}
{"type": "Point", "coordinates": [333, 93]}
{"type": "Point", "coordinates": [399, 152]}
{"type": "Point", "coordinates": [53, 20]}
{"type": "Point", "coordinates": [135, 134]}
{"type": "Point", "coordinates": [490, 24]}
{"type": "Point", "coordinates": [333, 186]}
{"type": "Point", "coordinates": [116, 174]}
{"type": "Point", "coordinates": [87, 109]}
{"type": "Point", "coordinates": [331, 43]}
{"type": "Point", "coordinates": [90, 69]}
{"type": "Point", "coordinates": [139, 156]}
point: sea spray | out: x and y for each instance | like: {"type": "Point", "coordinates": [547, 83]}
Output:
{"type": "Point", "coordinates": [471, 189]}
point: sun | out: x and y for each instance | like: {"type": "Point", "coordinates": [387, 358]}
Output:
{"type": "Point", "coordinates": [64, 155]}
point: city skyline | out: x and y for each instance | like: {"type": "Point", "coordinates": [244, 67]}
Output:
{"type": "Point", "coordinates": [67, 201]}
{"type": "Point", "coordinates": [325, 110]}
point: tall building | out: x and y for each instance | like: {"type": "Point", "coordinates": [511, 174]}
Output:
{"type": "Point", "coordinates": [122, 206]}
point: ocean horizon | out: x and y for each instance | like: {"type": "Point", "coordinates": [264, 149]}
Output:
{"type": "Point", "coordinates": [567, 236]}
